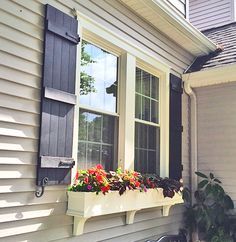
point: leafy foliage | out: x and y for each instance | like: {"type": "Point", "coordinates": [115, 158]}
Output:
{"type": "Point", "coordinates": [86, 81]}
{"type": "Point", "coordinates": [210, 214]}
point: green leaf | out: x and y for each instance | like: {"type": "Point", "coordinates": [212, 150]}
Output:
{"type": "Point", "coordinates": [211, 175]}
{"type": "Point", "coordinates": [217, 180]}
{"type": "Point", "coordinates": [228, 202]}
{"type": "Point", "coordinates": [209, 189]}
{"type": "Point", "coordinates": [201, 174]}
{"type": "Point", "coordinates": [202, 184]}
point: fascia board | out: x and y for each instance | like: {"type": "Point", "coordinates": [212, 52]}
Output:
{"type": "Point", "coordinates": [213, 76]}
{"type": "Point", "coordinates": [162, 9]}
{"type": "Point", "coordinates": [182, 24]}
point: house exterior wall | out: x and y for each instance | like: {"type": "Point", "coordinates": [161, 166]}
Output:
{"type": "Point", "coordinates": [209, 14]}
{"type": "Point", "coordinates": [23, 217]}
{"type": "Point", "coordinates": [217, 133]}
{"type": "Point", "coordinates": [180, 6]}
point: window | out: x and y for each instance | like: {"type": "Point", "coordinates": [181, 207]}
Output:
{"type": "Point", "coordinates": [134, 109]}
{"type": "Point", "coordinates": [147, 129]}
{"type": "Point", "coordinates": [98, 108]}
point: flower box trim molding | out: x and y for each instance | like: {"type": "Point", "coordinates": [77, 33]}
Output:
{"type": "Point", "coordinates": [84, 205]}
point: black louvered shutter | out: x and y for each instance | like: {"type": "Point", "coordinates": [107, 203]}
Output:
{"type": "Point", "coordinates": [176, 128]}
{"type": "Point", "coordinates": [58, 98]}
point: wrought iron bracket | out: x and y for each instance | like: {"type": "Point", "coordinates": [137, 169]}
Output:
{"type": "Point", "coordinates": [40, 190]}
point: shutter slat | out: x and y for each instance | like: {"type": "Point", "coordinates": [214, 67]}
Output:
{"type": "Point", "coordinates": [175, 155]}
{"type": "Point", "coordinates": [63, 32]}
{"type": "Point", "coordinates": [58, 98]}
{"type": "Point", "coordinates": [58, 95]}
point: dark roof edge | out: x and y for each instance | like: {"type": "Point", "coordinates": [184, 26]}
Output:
{"type": "Point", "coordinates": [201, 60]}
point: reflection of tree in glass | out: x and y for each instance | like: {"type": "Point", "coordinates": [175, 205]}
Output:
{"type": "Point", "coordinates": [86, 81]}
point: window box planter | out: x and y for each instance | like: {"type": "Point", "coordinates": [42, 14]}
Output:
{"type": "Point", "coordinates": [84, 205]}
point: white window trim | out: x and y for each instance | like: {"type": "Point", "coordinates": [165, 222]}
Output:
{"type": "Point", "coordinates": [130, 57]}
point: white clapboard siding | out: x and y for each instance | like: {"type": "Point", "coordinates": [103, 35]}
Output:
{"type": "Point", "coordinates": [217, 133]}
{"type": "Point", "coordinates": [209, 14]}
{"type": "Point", "coordinates": [180, 6]}
{"type": "Point", "coordinates": [23, 217]}
{"type": "Point", "coordinates": [33, 211]}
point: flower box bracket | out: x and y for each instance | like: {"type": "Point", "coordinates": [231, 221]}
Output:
{"type": "Point", "coordinates": [84, 205]}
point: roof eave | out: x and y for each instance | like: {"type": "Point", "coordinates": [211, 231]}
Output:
{"type": "Point", "coordinates": [211, 76]}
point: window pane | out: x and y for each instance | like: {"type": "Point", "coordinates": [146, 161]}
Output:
{"type": "Point", "coordinates": [147, 96]}
{"type": "Point", "coordinates": [93, 154]}
{"type": "Point", "coordinates": [98, 82]}
{"type": "Point", "coordinates": [94, 127]}
{"type": "Point", "coordinates": [108, 129]}
{"type": "Point", "coordinates": [82, 155]}
{"type": "Point", "coordinates": [147, 148]}
{"type": "Point", "coordinates": [146, 84]}
{"type": "Point", "coordinates": [96, 140]}
{"type": "Point", "coordinates": [154, 111]}
{"type": "Point", "coordinates": [155, 88]}
{"type": "Point", "coordinates": [83, 126]}
{"type": "Point", "coordinates": [146, 111]}
{"type": "Point", "coordinates": [138, 80]}
{"type": "Point", "coordinates": [107, 157]}
{"type": "Point", "coordinates": [138, 106]}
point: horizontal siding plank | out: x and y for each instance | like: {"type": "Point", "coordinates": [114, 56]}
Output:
{"type": "Point", "coordinates": [11, 185]}
{"type": "Point", "coordinates": [217, 132]}
{"type": "Point", "coordinates": [7, 73]}
{"type": "Point", "coordinates": [41, 236]}
{"type": "Point", "coordinates": [17, 63]}
{"type": "Point", "coordinates": [21, 38]}
{"type": "Point", "coordinates": [7, 101]}
{"type": "Point", "coordinates": [21, 25]}
{"type": "Point", "coordinates": [20, 171]}
{"type": "Point", "coordinates": [21, 12]}
{"type": "Point", "coordinates": [8, 200]}
{"type": "Point", "coordinates": [32, 225]}
{"type": "Point", "coordinates": [16, 130]}
{"type": "Point", "coordinates": [208, 14]}
{"type": "Point", "coordinates": [18, 117]}
{"type": "Point", "coordinates": [23, 52]}
{"type": "Point", "coordinates": [17, 158]}
{"type": "Point", "coordinates": [26, 92]}
{"type": "Point", "coordinates": [18, 144]}
{"type": "Point", "coordinates": [33, 211]}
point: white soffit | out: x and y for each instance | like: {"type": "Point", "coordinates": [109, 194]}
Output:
{"type": "Point", "coordinates": [211, 76]}
{"type": "Point", "coordinates": [164, 18]}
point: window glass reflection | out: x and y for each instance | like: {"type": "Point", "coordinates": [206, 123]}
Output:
{"type": "Point", "coordinates": [98, 78]}
{"type": "Point", "coordinates": [96, 140]}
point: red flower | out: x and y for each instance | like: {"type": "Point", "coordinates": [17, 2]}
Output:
{"type": "Point", "coordinates": [86, 180]}
{"type": "Point", "coordinates": [105, 189]}
{"type": "Point", "coordinates": [77, 175]}
{"type": "Point", "coordinates": [99, 166]}
{"type": "Point", "coordinates": [99, 178]}
{"type": "Point", "coordinates": [137, 184]}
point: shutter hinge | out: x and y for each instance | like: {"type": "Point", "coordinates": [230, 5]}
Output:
{"type": "Point", "coordinates": [39, 192]}
{"type": "Point", "coordinates": [182, 128]}
{"type": "Point", "coordinates": [182, 167]}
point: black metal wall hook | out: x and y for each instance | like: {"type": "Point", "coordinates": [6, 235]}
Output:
{"type": "Point", "coordinates": [40, 190]}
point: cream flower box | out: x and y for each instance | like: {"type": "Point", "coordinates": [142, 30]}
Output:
{"type": "Point", "coordinates": [84, 205]}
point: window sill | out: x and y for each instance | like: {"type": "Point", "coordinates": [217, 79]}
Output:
{"type": "Point", "coordinates": [84, 205]}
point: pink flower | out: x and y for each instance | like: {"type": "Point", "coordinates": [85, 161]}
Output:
{"type": "Point", "coordinates": [89, 187]}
